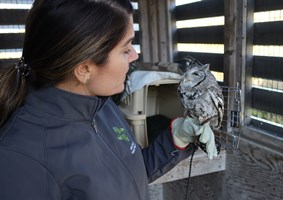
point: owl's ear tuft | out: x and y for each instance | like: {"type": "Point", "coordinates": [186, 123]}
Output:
{"type": "Point", "coordinates": [205, 67]}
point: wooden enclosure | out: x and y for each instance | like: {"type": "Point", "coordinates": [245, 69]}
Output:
{"type": "Point", "coordinates": [254, 170]}
{"type": "Point", "coordinates": [246, 51]}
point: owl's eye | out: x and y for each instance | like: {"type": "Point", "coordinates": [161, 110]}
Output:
{"type": "Point", "coordinates": [196, 74]}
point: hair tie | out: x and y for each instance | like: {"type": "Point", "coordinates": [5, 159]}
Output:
{"type": "Point", "coordinates": [22, 68]}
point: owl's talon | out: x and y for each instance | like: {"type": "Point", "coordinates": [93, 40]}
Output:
{"type": "Point", "coordinates": [203, 146]}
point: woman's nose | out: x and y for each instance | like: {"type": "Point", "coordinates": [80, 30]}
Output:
{"type": "Point", "coordinates": [134, 55]}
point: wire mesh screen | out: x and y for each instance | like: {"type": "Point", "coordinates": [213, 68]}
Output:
{"type": "Point", "coordinates": [229, 133]}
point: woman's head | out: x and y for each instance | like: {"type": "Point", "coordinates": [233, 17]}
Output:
{"type": "Point", "coordinates": [69, 40]}
{"type": "Point", "coordinates": [62, 34]}
{"type": "Point", "coordinates": [91, 79]}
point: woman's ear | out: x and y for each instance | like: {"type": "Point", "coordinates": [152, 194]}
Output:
{"type": "Point", "coordinates": [82, 72]}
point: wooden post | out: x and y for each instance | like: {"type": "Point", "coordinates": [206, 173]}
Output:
{"type": "Point", "coordinates": [247, 69]}
{"type": "Point", "coordinates": [164, 31]}
{"type": "Point", "coordinates": [242, 50]}
{"type": "Point", "coordinates": [156, 38]}
{"type": "Point", "coordinates": [153, 29]}
{"type": "Point", "coordinates": [230, 37]}
{"type": "Point", "coordinates": [230, 49]}
{"type": "Point", "coordinates": [145, 36]}
{"type": "Point", "coordinates": [234, 47]}
{"type": "Point", "coordinates": [172, 29]}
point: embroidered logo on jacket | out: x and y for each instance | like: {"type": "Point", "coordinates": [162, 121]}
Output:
{"type": "Point", "coordinates": [133, 147]}
{"type": "Point", "coordinates": [121, 135]}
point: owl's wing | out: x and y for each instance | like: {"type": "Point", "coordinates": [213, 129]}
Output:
{"type": "Point", "coordinates": [218, 101]}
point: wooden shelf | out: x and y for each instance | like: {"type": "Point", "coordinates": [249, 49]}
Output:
{"type": "Point", "coordinates": [201, 165]}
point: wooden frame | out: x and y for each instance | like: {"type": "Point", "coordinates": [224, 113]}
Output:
{"type": "Point", "coordinates": [200, 165]}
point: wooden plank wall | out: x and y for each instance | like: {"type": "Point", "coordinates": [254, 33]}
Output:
{"type": "Point", "coordinates": [267, 33]}
{"type": "Point", "coordinates": [239, 35]}
{"type": "Point", "coordinates": [9, 41]}
{"type": "Point", "coordinates": [205, 35]}
{"type": "Point", "coordinates": [254, 170]}
{"type": "Point", "coordinates": [156, 40]}
{"type": "Point", "coordinates": [16, 17]}
{"type": "Point", "coordinates": [138, 33]}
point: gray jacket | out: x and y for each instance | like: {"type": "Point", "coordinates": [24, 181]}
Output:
{"type": "Point", "coordinates": [60, 145]}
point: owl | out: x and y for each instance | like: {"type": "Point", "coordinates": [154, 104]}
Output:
{"type": "Point", "coordinates": [201, 96]}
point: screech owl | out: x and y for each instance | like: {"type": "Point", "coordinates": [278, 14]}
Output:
{"type": "Point", "coordinates": [201, 96]}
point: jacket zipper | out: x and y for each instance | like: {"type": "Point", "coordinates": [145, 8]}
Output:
{"type": "Point", "coordinates": [93, 124]}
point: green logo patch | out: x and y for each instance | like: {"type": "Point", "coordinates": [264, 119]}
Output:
{"type": "Point", "coordinates": [121, 134]}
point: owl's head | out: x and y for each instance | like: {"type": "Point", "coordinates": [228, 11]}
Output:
{"type": "Point", "coordinates": [194, 76]}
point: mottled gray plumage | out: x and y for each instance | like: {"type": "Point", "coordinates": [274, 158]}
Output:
{"type": "Point", "coordinates": [201, 96]}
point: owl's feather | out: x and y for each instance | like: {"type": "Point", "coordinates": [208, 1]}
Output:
{"type": "Point", "coordinates": [201, 96]}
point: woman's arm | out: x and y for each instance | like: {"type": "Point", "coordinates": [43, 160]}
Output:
{"type": "Point", "coordinates": [161, 155]}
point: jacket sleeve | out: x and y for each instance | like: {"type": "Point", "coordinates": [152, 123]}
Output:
{"type": "Point", "coordinates": [24, 178]}
{"type": "Point", "coordinates": [161, 155]}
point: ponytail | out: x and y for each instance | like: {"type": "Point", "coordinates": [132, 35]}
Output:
{"type": "Point", "coordinates": [13, 82]}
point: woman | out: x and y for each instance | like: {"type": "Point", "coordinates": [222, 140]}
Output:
{"type": "Point", "coordinates": [62, 137]}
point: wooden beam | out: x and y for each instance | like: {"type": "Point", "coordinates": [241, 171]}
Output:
{"type": "Point", "coordinates": [241, 58]}
{"type": "Point", "coordinates": [199, 9]}
{"type": "Point", "coordinates": [230, 52]}
{"type": "Point", "coordinates": [264, 5]}
{"type": "Point", "coordinates": [268, 33]}
{"type": "Point", "coordinates": [11, 41]}
{"type": "Point", "coordinates": [210, 35]}
{"type": "Point", "coordinates": [137, 39]}
{"type": "Point", "coordinates": [152, 8]}
{"type": "Point", "coordinates": [173, 31]}
{"type": "Point", "coordinates": [268, 68]}
{"type": "Point", "coordinates": [7, 62]}
{"type": "Point", "coordinates": [163, 31]}
{"type": "Point", "coordinates": [12, 16]}
{"type": "Point", "coordinates": [156, 36]}
{"type": "Point", "coordinates": [248, 67]}
{"type": "Point", "coordinates": [136, 16]}
{"type": "Point", "coordinates": [145, 36]}
{"type": "Point", "coordinates": [269, 129]}
{"type": "Point", "coordinates": [201, 165]}
{"type": "Point", "coordinates": [267, 101]}
{"type": "Point", "coordinates": [230, 47]}
{"type": "Point", "coordinates": [262, 137]}
{"type": "Point", "coordinates": [215, 60]}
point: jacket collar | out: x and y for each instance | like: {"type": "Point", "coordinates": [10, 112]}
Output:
{"type": "Point", "coordinates": [65, 105]}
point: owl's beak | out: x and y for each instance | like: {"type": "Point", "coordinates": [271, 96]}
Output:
{"type": "Point", "coordinates": [186, 79]}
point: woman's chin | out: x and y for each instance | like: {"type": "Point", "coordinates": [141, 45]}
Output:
{"type": "Point", "coordinates": [119, 90]}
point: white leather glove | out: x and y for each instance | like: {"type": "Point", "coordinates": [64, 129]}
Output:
{"type": "Point", "coordinates": [186, 130]}
{"type": "Point", "coordinates": [207, 138]}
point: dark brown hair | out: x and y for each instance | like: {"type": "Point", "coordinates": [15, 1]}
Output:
{"type": "Point", "coordinates": [60, 34]}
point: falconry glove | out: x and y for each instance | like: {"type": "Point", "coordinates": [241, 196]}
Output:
{"type": "Point", "coordinates": [186, 130]}
{"type": "Point", "coordinates": [207, 138]}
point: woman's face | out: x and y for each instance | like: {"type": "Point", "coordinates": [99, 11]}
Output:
{"type": "Point", "coordinates": [109, 79]}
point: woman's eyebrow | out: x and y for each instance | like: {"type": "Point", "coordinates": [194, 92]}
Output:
{"type": "Point", "coordinates": [128, 41]}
